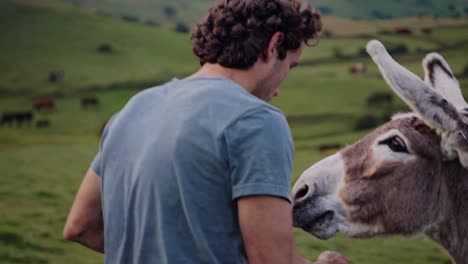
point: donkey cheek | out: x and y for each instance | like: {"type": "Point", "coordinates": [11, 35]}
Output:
{"type": "Point", "coordinates": [358, 193]}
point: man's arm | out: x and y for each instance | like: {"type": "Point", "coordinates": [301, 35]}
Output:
{"type": "Point", "coordinates": [84, 223]}
{"type": "Point", "coordinates": [266, 226]}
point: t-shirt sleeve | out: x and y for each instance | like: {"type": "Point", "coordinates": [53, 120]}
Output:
{"type": "Point", "coordinates": [96, 164]}
{"type": "Point", "coordinates": [260, 151]}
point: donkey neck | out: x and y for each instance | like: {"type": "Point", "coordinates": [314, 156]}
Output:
{"type": "Point", "coordinates": [451, 232]}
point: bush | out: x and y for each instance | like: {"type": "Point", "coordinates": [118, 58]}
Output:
{"type": "Point", "coordinates": [366, 122]}
{"type": "Point", "coordinates": [130, 18]}
{"type": "Point", "coordinates": [105, 48]}
{"type": "Point", "coordinates": [426, 30]}
{"type": "Point", "coordinates": [380, 100]}
{"type": "Point", "coordinates": [397, 49]}
{"type": "Point", "coordinates": [325, 10]}
{"type": "Point", "coordinates": [182, 28]}
{"type": "Point", "coordinates": [327, 33]}
{"type": "Point", "coordinates": [169, 11]}
{"type": "Point", "coordinates": [377, 14]}
{"type": "Point", "coordinates": [151, 23]}
{"type": "Point", "coordinates": [465, 71]}
{"type": "Point", "coordinates": [362, 52]}
{"type": "Point", "coordinates": [424, 2]}
{"type": "Point", "coordinates": [384, 32]}
{"type": "Point", "coordinates": [338, 53]}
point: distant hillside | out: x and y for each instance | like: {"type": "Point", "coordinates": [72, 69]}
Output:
{"type": "Point", "coordinates": [189, 11]}
{"type": "Point", "coordinates": [364, 9]}
{"type": "Point", "coordinates": [348, 27]}
{"type": "Point", "coordinates": [53, 46]}
{"type": "Point", "coordinates": [51, 39]}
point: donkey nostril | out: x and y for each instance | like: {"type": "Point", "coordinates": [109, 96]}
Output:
{"type": "Point", "coordinates": [302, 192]}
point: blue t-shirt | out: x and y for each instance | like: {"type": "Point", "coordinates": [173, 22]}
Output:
{"type": "Point", "coordinates": [173, 162]}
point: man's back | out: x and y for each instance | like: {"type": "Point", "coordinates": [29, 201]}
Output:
{"type": "Point", "coordinates": [174, 160]}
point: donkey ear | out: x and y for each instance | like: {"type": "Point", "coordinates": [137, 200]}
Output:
{"type": "Point", "coordinates": [439, 76]}
{"type": "Point", "coordinates": [455, 144]}
{"type": "Point", "coordinates": [425, 101]}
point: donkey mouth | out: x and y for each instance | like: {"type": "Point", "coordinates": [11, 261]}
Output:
{"type": "Point", "coordinates": [322, 226]}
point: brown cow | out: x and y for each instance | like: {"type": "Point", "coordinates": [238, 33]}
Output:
{"type": "Point", "coordinates": [357, 68]}
{"type": "Point", "coordinates": [44, 103]}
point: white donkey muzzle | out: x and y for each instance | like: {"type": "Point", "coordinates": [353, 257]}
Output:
{"type": "Point", "coordinates": [317, 208]}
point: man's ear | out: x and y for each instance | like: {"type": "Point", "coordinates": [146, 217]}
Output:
{"type": "Point", "coordinates": [271, 52]}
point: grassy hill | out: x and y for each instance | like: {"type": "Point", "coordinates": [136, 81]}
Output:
{"type": "Point", "coordinates": [347, 27]}
{"type": "Point", "coordinates": [40, 37]}
{"type": "Point", "coordinates": [43, 37]}
{"type": "Point", "coordinates": [42, 167]}
{"type": "Point", "coordinates": [170, 12]}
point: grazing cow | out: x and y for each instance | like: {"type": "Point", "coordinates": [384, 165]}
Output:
{"type": "Point", "coordinates": [402, 31]}
{"type": "Point", "coordinates": [406, 177]}
{"type": "Point", "coordinates": [357, 68]}
{"type": "Point", "coordinates": [89, 101]}
{"type": "Point", "coordinates": [44, 103]}
{"type": "Point", "coordinates": [56, 76]}
{"type": "Point", "coordinates": [24, 117]}
{"type": "Point", "coordinates": [426, 30]}
{"type": "Point", "coordinates": [9, 118]}
{"type": "Point", "coordinates": [42, 123]}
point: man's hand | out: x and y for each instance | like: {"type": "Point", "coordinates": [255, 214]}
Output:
{"type": "Point", "coordinates": [331, 257]}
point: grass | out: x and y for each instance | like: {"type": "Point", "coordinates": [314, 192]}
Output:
{"type": "Point", "coordinates": [35, 47]}
{"type": "Point", "coordinates": [190, 11]}
{"type": "Point", "coordinates": [42, 168]}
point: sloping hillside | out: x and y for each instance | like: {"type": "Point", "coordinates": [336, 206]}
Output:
{"type": "Point", "coordinates": [51, 36]}
{"type": "Point", "coordinates": [348, 27]}
{"type": "Point", "coordinates": [188, 11]}
{"type": "Point", "coordinates": [82, 49]}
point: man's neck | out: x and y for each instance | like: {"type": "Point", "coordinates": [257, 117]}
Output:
{"type": "Point", "coordinates": [245, 78]}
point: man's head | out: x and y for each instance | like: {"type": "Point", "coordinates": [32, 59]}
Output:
{"type": "Point", "coordinates": [239, 34]}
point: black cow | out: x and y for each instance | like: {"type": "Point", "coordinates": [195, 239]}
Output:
{"type": "Point", "coordinates": [42, 123]}
{"type": "Point", "coordinates": [89, 101]}
{"type": "Point", "coordinates": [9, 118]}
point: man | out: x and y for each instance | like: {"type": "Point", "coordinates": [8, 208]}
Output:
{"type": "Point", "coordinates": [198, 170]}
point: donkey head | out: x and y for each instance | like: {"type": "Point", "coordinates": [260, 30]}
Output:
{"type": "Point", "coordinates": [393, 181]}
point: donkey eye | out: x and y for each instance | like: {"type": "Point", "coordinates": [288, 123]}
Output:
{"type": "Point", "coordinates": [395, 143]}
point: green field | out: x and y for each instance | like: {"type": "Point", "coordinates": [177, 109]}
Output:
{"type": "Point", "coordinates": [42, 168]}
{"type": "Point", "coordinates": [53, 36]}
{"type": "Point", "coordinates": [190, 11]}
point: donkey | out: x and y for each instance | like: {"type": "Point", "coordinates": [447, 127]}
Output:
{"type": "Point", "coordinates": [407, 176]}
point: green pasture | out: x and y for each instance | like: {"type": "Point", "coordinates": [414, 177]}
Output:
{"type": "Point", "coordinates": [190, 11]}
{"type": "Point", "coordinates": [43, 39]}
{"type": "Point", "coordinates": [43, 167]}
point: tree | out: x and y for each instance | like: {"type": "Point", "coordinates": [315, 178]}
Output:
{"type": "Point", "coordinates": [169, 11]}
{"type": "Point", "coordinates": [181, 27]}
{"type": "Point", "coordinates": [465, 71]}
{"type": "Point", "coordinates": [325, 10]}
{"type": "Point", "coordinates": [366, 122]}
{"type": "Point", "coordinates": [380, 100]}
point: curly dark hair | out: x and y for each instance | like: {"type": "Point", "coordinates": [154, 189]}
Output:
{"type": "Point", "coordinates": [236, 32]}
